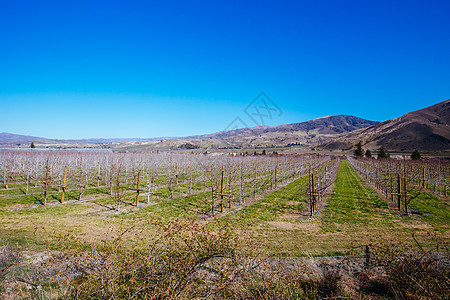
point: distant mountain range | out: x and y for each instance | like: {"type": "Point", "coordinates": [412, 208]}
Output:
{"type": "Point", "coordinates": [17, 139]}
{"type": "Point", "coordinates": [305, 133]}
{"type": "Point", "coordinates": [427, 130]}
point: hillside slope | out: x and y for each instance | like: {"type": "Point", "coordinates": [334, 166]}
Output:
{"type": "Point", "coordinates": [427, 130]}
{"type": "Point", "coordinates": [308, 133]}
{"type": "Point", "coordinates": [17, 139]}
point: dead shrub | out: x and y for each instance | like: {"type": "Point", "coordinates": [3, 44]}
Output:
{"type": "Point", "coordinates": [8, 258]}
{"type": "Point", "coordinates": [328, 283]}
{"type": "Point", "coordinates": [182, 261]}
{"type": "Point", "coordinates": [405, 273]}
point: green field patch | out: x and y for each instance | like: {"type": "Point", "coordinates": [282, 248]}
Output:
{"type": "Point", "coordinates": [431, 208]}
{"type": "Point", "coordinates": [353, 203]}
{"type": "Point", "coordinates": [288, 199]}
{"type": "Point", "coordinates": [188, 207]}
{"type": "Point", "coordinates": [47, 211]}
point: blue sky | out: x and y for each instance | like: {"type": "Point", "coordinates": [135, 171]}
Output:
{"type": "Point", "coordinates": [82, 69]}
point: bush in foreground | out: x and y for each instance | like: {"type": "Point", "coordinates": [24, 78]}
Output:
{"type": "Point", "coordinates": [409, 273]}
{"type": "Point", "coordinates": [190, 261]}
{"type": "Point", "coordinates": [182, 261]}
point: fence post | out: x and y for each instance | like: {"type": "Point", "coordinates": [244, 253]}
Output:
{"type": "Point", "coordinates": [241, 199]}
{"type": "Point", "coordinates": [221, 191]}
{"type": "Point", "coordinates": [212, 200]}
{"type": "Point", "coordinates": [98, 175]}
{"type": "Point", "coordinates": [275, 176]}
{"type": "Point", "coordinates": [312, 189]}
{"type": "Point", "coordinates": [137, 188]}
{"type": "Point", "coordinates": [64, 184]}
{"type": "Point", "coordinates": [367, 264]}
{"type": "Point", "coordinates": [398, 192]}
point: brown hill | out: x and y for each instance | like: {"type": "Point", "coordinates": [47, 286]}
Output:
{"type": "Point", "coordinates": [310, 132]}
{"type": "Point", "coordinates": [17, 139]}
{"type": "Point", "coordinates": [427, 130]}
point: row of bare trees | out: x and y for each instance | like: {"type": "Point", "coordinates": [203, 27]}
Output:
{"type": "Point", "coordinates": [402, 180]}
{"type": "Point", "coordinates": [319, 180]}
{"type": "Point", "coordinates": [150, 174]}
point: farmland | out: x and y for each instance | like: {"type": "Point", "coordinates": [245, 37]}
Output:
{"type": "Point", "coordinates": [91, 187]}
{"type": "Point", "coordinates": [288, 205]}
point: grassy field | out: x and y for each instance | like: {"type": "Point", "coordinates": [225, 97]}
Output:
{"type": "Point", "coordinates": [353, 214]}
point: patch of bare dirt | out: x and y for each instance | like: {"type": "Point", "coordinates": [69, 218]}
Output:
{"type": "Point", "coordinates": [418, 226]}
{"type": "Point", "coordinates": [290, 222]}
{"type": "Point", "coordinates": [282, 225]}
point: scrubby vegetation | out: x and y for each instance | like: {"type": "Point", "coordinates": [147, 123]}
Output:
{"type": "Point", "coordinates": [188, 260]}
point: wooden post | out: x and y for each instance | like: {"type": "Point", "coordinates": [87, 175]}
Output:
{"type": "Point", "coordinates": [118, 188]}
{"type": "Point", "coordinates": [423, 177]}
{"type": "Point", "coordinates": [399, 196]}
{"type": "Point", "coordinates": [376, 178]}
{"type": "Point", "coordinates": [385, 186]}
{"type": "Point", "coordinates": [310, 192]}
{"type": "Point", "coordinates": [170, 182]}
{"type": "Point", "coordinates": [137, 188]}
{"type": "Point", "coordinates": [254, 185]}
{"type": "Point", "coordinates": [241, 199]}
{"type": "Point", "coordinates": [98, 175]}
{"type": "Point", "coordinates": [221, 191]}
{"type": "Point", "coordinates": [313, 194]}
{"type": "Point", "coordinates": [80, 182]}
{"type": "Point", "coordinates": [111, 180]}
{"type": "Point", "coordinates": [405, 194]}
{"type": "Point", "coordinates": [204, 176]}
{"type": "Point", "coordinates": [190, 181]}
{"type": "Point", "coordinates": [51, 176]}
{"type": "Point", "coordinates": [439, 176]}
{"type": "Point", "coordinates": [229, 190]}
{"type": "Point", "coordinates": [275, 177]}
{"type": "Point", "coordinates": [367, 264]}
{"type": "Point", "coordinates": [28, 181]}
{"type": "Point", "coordinates": [148, 194]}
{"type": "Point", "coordinates": [445, 185]}
{"type": "Point", "coordinates": [212, 200]}
{"type": "Point", "coordinates": [64, 184]}
{"type": "Point", "coordinates": [46, 182]}
{"type": "Point", "coordinates": [36, 170]}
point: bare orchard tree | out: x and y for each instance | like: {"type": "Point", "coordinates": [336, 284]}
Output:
{"type": "Point", "coordinates": [46, 181]}
{"type": "Point", "coordinates": [118, 192]}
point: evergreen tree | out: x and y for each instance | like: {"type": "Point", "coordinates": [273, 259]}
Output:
{"type": "Point", "coordinates": [382, 153]}
{"type": "Point", "coordinates": [358, 152]}
{"type": "Point", "coordinates": [32, 145]}
{"type": "Point", "coordinates": [415, 155]}
{"type": "Point", "coordinates": [368, 153]}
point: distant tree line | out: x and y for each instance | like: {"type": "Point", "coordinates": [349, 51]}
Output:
{"type": "Point", "coordinates": [381, 152]}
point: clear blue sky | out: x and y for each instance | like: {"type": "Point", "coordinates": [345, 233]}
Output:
{"type": "Point", "coordinates": [81, 69]}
